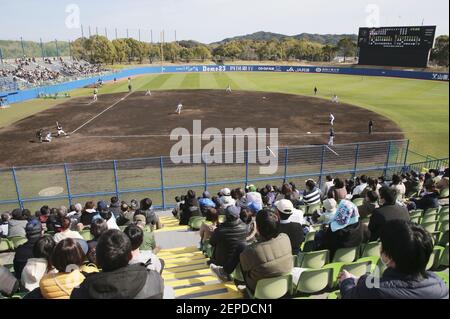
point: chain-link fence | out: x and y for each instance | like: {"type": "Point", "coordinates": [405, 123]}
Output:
{"type": "Point", "coordinates": [162, 180]}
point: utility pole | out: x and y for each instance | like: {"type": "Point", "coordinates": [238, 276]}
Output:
{"type": "Point", "coordinates": [116, 33]}
{"type": "Point", "coordinates": [57, 50]}
{"type": "Point", "coordinates": [106, 32]}
{"type": "Point", "coordinates": [139, 32]}
{"type": "Point", "coordinates": [90, 32]}
{"type": "Point", "coordinates": [151, 36]}
{"type": "Point", "coordinates": [23, 47]}
{"type": "Point", "coordinates": [42, 49]}
{"type": "Point", "coordinates": [82, 32]}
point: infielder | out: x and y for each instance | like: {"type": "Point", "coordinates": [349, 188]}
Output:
{"type": "Point", "coordinates": [335, 99]}
{"type": "Point", "coordinates": [228, 90]}
{"type": "Point", "coordinates": [60, 130]}
{"type": "Point", "coordinates": [95, 94]}
{"type": "Point", "coordinates": [148, 93]}
{"type": "Point", "coordinates": [331, 119]}
{"type": "Point", "coordinates": [48, 137]}
{"type": "Point", "coordinates": [331, 139]}
{"type": "Point", "coordinates": [179, 108]}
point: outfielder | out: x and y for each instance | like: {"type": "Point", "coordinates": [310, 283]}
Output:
{"type": "Point", "coordinates": [228, 90]}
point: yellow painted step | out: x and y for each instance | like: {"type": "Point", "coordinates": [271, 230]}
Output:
{"type": "Point", "coordinates": [183, 262]}
{"type": "Point", "coordinates": [180, 256]}
{"type": "Point", "coordinates": [227, 295]}
{"type": "Point", "coordinates": [179, 250]}
{"type": "Point", "coordinates": [192, 281]}
{"type": "Point", "coordinates": [185, 274]}
{"type": "Point", "coordinates": [186, 268]}
{"type": "Point", "coordinates": [202, 289]}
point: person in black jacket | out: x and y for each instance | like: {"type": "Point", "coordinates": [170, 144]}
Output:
{"type": "Point", "coordinates": [293, 230]}
{"type": "Point", "coordinates": [118, 280]}
{"type": "Point", "coordinates": [228, 240]}
{"type": "Point", "coordinates": [405, 250]}
{"type": "Point", "coordinates": [430, 198]}
{"type": "Point", "coordinates": [150, 216]}
{"type": "Point", "coordinates": [24, 252]}
{"type": "Point", "coordinates": [345, 230]}
{"type": "Point", "coordinates": [190, 208]}
{"type": "Point", "coordinates": [114, 207]}
{"type": "Point", "coordinates": [389, 210]}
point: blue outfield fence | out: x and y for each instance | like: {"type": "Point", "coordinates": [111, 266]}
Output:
{"type": "Point", "coordinates": [20, 96]}
{"type": "Point", "coordinates": [160, 179]}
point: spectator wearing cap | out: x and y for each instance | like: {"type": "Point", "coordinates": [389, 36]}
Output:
{"type": "Point", "coordinates": [345, 230]}
{"type": "Point", "coordinates": [24, 252]}
{"type": "Point", "coordinates": [369, 205]}
{"type": "Point", "coordinates": [293, 230]}
{"type": "Point", "coordinates": [285, 206]}
{"type": "Point", "coordinates": [148, 242]}
{"type": "Point", "coordinates": [229, 240]}
{"type": "Point", "coordinates": [271, 256]}
{"type": "Point", "coordinates": [389, 210]}
{"type": "Point", "coordinates": [17, 223]}
{"type": "Point", "coordinates": [119, 279]}
{"type": "Point", "coordinates": [226, 199]}
{"type": "Point", "coordinates": [405, 250]}
{"type": "Point", "coordinates": [329, 207]}
{"type": "Point", "coordinates": [254, 197]}
{"type": "Point", "coordinates": [66, 232]}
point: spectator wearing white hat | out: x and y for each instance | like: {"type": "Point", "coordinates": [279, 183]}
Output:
{"type": "Point", "coordinates": [330, 206]}
{"type": "Point", "coordinates": [254, 197]}
{"type": "Point", "coordinates": [285, 206]}
{"type": "Point", "coordinates": [226, 198]}
{"type": "Point", "coordinates": [292, 229]}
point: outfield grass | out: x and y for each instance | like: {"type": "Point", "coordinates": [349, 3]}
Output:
{"type": "Point", "coordinates": [420, 108]}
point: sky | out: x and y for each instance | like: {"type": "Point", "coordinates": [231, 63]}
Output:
{"type": "Point", "coordinates": [210, 20]}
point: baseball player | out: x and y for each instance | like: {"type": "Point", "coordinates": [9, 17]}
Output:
{"type": "Point", "coordinates": [370, 127]}
{"type": "Point", "coordinates": [48, 137]}
{"type": "Point", "coordinates": [315, 90]}
{"type": "Point", "coordinates": [148, 93]}
{"type": "Point", "coordinates": [60, 130]}
{"type": "Point", "coordinates": [331, 138]}
{"type": "Point", "coordinates": [335, 99]}
{"type": "Point", "coordinates": [40, 135]}
{"type": "Point", "coordinates": [331, 119]}
{"type": "Point", "coordinates": [179, 108]}
{"type": "Point", "coordinates": [95, 94]}
{"type": "Point", "coordinates": [228, 90]}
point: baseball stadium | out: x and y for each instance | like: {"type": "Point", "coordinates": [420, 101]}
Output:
{"type": "Point", "coordinates": [257, 167]}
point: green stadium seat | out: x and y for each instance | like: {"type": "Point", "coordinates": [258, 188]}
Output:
{"type": "Point", "coordinates": [237, 275]}
{"type": "Point", "coordinates": [443, 216]}
{"type": "Point", "coordinates": [6, 245]}
{"type": "Point", "coordinates": [415, 213]}
{"type": "Point", "coordinates": [272, 288]}
{"type": "Point", "coordinates": [415, 220]}
{"type": "Point", "coordinates": [313, 260]}
{"type": "Point", "coordinates": [334, 295]}
{"type": "Point", "coordinates": [196, 222]}
{"type": "Point", "coordinates": [86, 234]}
{"type": "Point", "coordinates": [431, 211]}
{"type": "Point", "coordinates": [444, 209]}
{"type": "Point", "coordinates": [426, 218]}
{"type": "Point", "coordinates": [17, 240]}
{"type": "Point", "coordinates": [371, 249]}
{"type": "Point", "coordinates": [310, 209]}
{"type": "Point", "coordinates": [443, 226]}
{"type": "Point", "coordinates": [444, 239]}
{"type": "Point", "coordinates": [313, 281]}
{"type": "Point", "coordinates": [346, 255]}
{"type": "Point", "coordinates": [430, 226]}
{"type": "Point", "coordinates": [358, 268]}
{"type": "Point", "coordinates": [444, 193]}
{"type": "Point", "coordinates": [435, 258]}
{"type": "Point", "coordinates": [444, 257]}
{"type": "Point", "coordinates": [443, 275]}
{"type": "Point", "coordinates": [358, 201]}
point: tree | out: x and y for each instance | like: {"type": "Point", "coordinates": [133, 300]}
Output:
{"type": "Point", "coordinates": [347, 47]}
{"type": "Point", "coordinates": [137, 50]}
{"type": "Point", "coordinates": [329, 52]}
{"type": "Point", "coordinates": [100, 49]}
{"type": "Point", "coordinates": [122, 49]}
{"type": "Point", "coordinates": [78, 49]}
{"type": "Point", "coordinates": [202, 52]}
{"type": "Point", "coordinates": [439, 54]}
{"type": "Point", "coordinates": [154, 52]}
{"type": "Point", "coordinates": [186, 54]}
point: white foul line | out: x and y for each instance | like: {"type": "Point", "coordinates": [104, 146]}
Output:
{"type": "Point", "coordinates": [122, 99]}
{"type": "Point", "coordinates": [332, 150]}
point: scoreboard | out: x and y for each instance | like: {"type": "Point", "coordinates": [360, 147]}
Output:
{"type": "Point", "coordinates": [396, 46]}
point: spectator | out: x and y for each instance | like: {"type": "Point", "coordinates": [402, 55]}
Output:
{"type": "Point", "coordinates": [271, 195]}
{"type": "Point", "coordinates": [207, 229]}
{"type": "Point", "coordinates": [311, 196]}
{"type": "Point", "coordinates": [443, 183]}
{"type": "Point", "coordinates": [398, 186]}
{"type": "Point", "coordinates": [4, 224]}
{"type": "Point", "coordinates": [229, 240]}
{"type": "Point", "coordinates": [98, 227]}
{"type": "Point", "coordinates": [329, 183]}
{"type": "Point", "coordinates": [146, 257]}
{"type": "Point", "coordinates": [17, 223]}
{"type": "Point", "coordinates": [338, 191]}
{"type": "Point", "coordinates": [66, 232]}
{"type": "Point", "coordinates": [205, 202]}
{"type": "Point", "coordinates": [114, 207]}
{"type": "Point", "coordinates": [330, 207]}
{"type": "Point", "coordinates": [44, 215]}
{"type": "Point", "coordinates": [405, 250]}
{"type": "Point", "coordinates": [293, 230]}
{"type": "Point", "coordinates": [429, 199]}
{"type": "Point", "coordinates": [361, 187]}
{"type": "Point", "coordinates": [53, 222]}
{"type": "Point", "coordinates": [126, 215]}
{"type": "Point", "coordinates": [254, 198]}
{"type": "Point", "coordinates": [226, 199]}
{"type": "Point", "coordinates": [119, 280]}
{"type": "Point", "coordinates": [190, 208]}
{"type": "Point", "coordinates": [369, 205]}
{"type": "Point", "coordinates": [39, 265]}
{"type": "Point", "coordinates": [24, 252]}
{"type": "Point", "coordinates": [150, 217]}
{"type": "Point", "coordinates": [109, 218]}
{"type": "Point", "coordinates": [75, 215]}
{"type": "Point", "coordinates": [67, 259]}
{"type": "Point", "coordinates": [148, 242]}
{"type": "Point", "coordinates": [241, 199]}
{"type": "Point", "coordinates": [285, 206]}
{"type": "Point", "coordinates": [271, 256]}
{"type": "Point", "coordinates": [345, 230]}
{"type": "Point", "coordinates": [389, 210]}
{"type": "Point", "coordinates": [246, 217]}
{"type": "Point", "coordinates": [88, 213]}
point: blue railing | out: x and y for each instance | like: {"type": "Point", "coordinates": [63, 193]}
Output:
{"type": "Point", "coordinates": [161, 179]}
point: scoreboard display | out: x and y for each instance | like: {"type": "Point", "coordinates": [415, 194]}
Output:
{"type": "Point", "coordinates": [396, 46]}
